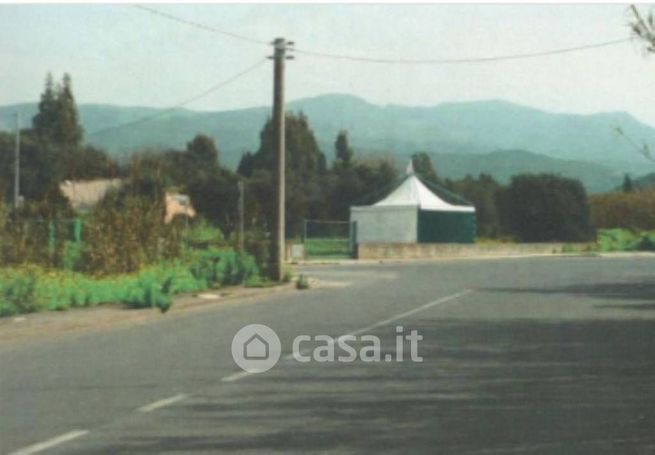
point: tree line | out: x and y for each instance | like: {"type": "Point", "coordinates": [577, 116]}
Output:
{"type": "Point", "coordinates": [530, 208]}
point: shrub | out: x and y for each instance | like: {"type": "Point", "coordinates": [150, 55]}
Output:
{"type": "Point", "coordinates": [152, 290]}
{"type": "Point", "coordinates": [126, 233]}
{"type": "Point", "coordinates": [545, 207]}
{"type": "Point", "coordinates": [71, 258]}
{"type": "Point", "coordinates": [28, 289]}
{"type": "Point", "coordinates": [302, 283]}
{"type": "Point", "coordinates": [223, 267]}
{"type": "Point", "coordinates": [203, 236]}
{"type": "Point", "coordinates": [18, 293]}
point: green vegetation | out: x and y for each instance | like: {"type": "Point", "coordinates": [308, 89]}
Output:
{"type": "Point", "coordinates": [302, 283]}
{"type": "Point", "coordinates": [543, 208]}
{"type": "Point", "coordinates": [27, 289]}
{"type": "Point", "coordinates": [125, 250]}
{"type": "Point", "coordinates": [625, 240]}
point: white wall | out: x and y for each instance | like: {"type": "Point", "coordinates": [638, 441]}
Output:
{"type": "Point", "coordinates": [397, 224]}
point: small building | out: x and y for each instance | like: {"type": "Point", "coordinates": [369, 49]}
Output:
{"type": "Point", "coordinates": [85, 194]}
{"type": "Point", "coordinates": [412, 213]}
{"type": "Point", "coordinates": [178, 204]}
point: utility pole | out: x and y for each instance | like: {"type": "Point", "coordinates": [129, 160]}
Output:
{"type": "Point", "coordinates": [17, 164]}
{"type": "Point", "coordinates": [280, 48]}
{"type": "Point", "coordinates": [241, 214]}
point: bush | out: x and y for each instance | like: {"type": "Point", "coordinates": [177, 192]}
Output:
{"type": "Point", "coordinates": [152, 290]}
{"type": "Point", "coordinates": [545, 208]}
{"type": "Point", "coordinates": [302, 283]}
{"type": "Point", "coordinates": [18, 293]}
{"type": "Point", "coordinates": [126, 233]}
{"type": "Point", "coordinates": [71, 257]}
{"type": "Point", "coordinates": [203, 236]}
{"type": "Point", "coordinates": [29, 289]}
{"type": "Point", "coordinates": [625, 240]}
{"type": "Point", "coordinates": [223, 267]}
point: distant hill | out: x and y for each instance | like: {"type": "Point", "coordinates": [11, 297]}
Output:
{"type": "Point", "coordinates": [453, 130]}
{"type": "Point", "coordinates": [503, 164]}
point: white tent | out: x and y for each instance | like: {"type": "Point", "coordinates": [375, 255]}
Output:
{"type": "Point", "coordinates": [413, 193]}
{"type": "Point", "coordinates": [412, 213]}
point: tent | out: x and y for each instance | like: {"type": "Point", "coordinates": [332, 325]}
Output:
{"type": "Point", "coordinates": [412, 213]}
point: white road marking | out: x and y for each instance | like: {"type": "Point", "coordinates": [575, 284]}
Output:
{"type": "Point", "coordinates": [409, 313]}
{"type": "Point", "coordinates": [236, 376]}
{"type": "Point", "coordinates": [50, 443]}
{"type": "Point", "coordinates": [243, 374]}
{"type": "Point", "coordinates": [161, 403]}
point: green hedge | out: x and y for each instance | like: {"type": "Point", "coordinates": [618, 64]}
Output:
{"type": "Point", "coordinates": [28, 289]}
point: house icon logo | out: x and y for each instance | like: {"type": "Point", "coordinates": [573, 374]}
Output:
{"type": "Point", "coordinates": [256, 348]}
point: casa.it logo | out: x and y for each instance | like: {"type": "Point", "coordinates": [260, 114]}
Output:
{"type": "Point", "coordinates": [256, 348]}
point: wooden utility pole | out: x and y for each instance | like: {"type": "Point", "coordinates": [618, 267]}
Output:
{"type": "Point", "coordinates": [280, 48]}
{"type": "Point", "coordinates": [17, 164]}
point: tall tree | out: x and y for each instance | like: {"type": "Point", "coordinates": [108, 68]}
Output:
{"type": "Point", "coordinates": [68, 131]}
{"type": "Point", "coordinates": [305, 170]}
{"type": "Point", "coordinates": [628, 186]}
{"type": "Point", "coordinates": [344, 153]}
{"type": "Point", "coordinates": [203, 151]}
{"type": "Point", "coordinates": [45, 121]}
{"type": "Point", "coordinates": [424, 168]}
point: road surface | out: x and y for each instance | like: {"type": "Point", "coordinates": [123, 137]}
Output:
{"type": "Point", "coordinates": [536, 356]}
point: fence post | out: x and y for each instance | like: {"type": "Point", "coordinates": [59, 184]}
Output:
{"type": "Point", "coordinates": [77, 230]}
{"type": "Point", "coordinates": [52, 239]}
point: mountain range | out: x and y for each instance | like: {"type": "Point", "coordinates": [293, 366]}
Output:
{"type": "Point", "coordinates": [496, 137]}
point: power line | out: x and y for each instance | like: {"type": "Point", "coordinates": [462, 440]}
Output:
{"type": "Point", "coordinates": [439, 61]}
{"type": "Point", "coordinates": [210, 90]}
{"type": "Point", "coordinates": [205, 27]}
{"type": "Point", "coordinates": [452, 61]}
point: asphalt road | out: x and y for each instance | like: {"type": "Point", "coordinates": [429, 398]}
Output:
{"type": "Point", "coordinates": [536, 356]}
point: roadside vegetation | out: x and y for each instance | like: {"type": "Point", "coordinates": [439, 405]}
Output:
{"type": "Point", "coordinates": [124, 249]}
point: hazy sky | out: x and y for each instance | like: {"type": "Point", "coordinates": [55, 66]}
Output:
{"type": "Point", "coordinates": [122, 55]}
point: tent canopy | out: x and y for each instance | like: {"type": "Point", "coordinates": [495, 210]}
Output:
{"type": "Point", "coordinates": [412, 192]}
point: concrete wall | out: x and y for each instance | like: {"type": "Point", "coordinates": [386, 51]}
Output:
{"type": "Point", "coordinates": [435, 250]}
{"type": "Point", "coordinates": [385, 224]}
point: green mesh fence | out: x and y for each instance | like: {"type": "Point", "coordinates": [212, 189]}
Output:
{"type": "Point", "coordinates": [328, 239]}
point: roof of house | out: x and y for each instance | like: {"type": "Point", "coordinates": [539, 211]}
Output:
{"type": "Point", "coordinates": [83, 195]}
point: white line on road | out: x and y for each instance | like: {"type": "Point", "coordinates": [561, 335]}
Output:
{"type": "Point", "coordinates": [244, 374]}
{"type": "Point", "coordinates": [410, 312]}
{"type": "Point", "coordinates": [395, 318]}
{"type": "Point", "coordinates": [161, 403]}
{"type": "Point", "coordinates": [236, 376]}
{"type": "Point", "coordinates": [40, 447]}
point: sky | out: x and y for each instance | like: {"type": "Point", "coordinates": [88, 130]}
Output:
{"type": "Point", "coordinates": [119, 54]}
